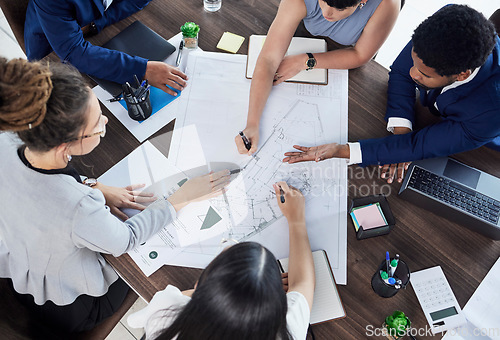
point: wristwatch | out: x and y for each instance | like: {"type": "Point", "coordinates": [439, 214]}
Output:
{"type": "Point", "coordinates": [91, 182]}
{"type": "Point", "coordinates": [311, 62]}
{"type": "Point", "coordinates": [90, 30]}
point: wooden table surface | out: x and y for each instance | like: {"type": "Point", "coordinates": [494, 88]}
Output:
{"type": "Point", "coordinates": [420, 237]}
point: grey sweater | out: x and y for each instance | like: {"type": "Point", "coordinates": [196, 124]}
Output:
{"type": "Point", "coordinates": [53, 228]}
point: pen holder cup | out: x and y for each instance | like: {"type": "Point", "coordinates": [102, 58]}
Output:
{"type": "Point", "coordinates": [142, 109]}
{"type": "Point", "coordinates": [387, 290]}
{"type": "Point", "coordinates": [384, 205]}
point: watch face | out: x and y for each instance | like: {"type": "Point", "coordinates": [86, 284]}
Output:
{"type": "Point", "coordinates": [90, 182]}
{"type": "Point", "coordinates": [311, 62]}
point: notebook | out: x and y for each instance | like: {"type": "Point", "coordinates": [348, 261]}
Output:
{"type": "Point", "coordinates": [327, 304]}
{"type": "Point", "coordinates": [137, 40]}
{"type": "Point", "coordinates": [297, 46]}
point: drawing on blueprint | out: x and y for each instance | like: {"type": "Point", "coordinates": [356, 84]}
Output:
{"type": "Point", "coordinates": [253, 206]}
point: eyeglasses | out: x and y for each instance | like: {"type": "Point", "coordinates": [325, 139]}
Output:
{"type": "Point", "coordinates": [101, 132]}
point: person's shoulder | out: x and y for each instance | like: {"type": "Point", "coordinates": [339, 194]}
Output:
{"type": "Point", "coordinates": [298, 315]}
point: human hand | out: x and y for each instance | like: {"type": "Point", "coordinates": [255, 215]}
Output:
{"type": "Point", "coordinates": [316, 153]}
{"type": "Point", "coordinates": [200, 188]}
{"type": "Point", "coordinates": [289, 67]}
{"type": "Point", "coordinates": [396, 169]}
{"type": "Point", "coordinates": [284, 281]}
{"type": "Point", "coordinates": [160, 74]}
{"type": "Point", "coordinates": [252, 133]}
{"type": "Point", "coordinates": [128, 197]}
{"type": "Point", "coordinates": [294, 207]}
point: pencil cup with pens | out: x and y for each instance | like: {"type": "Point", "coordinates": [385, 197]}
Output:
{"type": "Point", "coordinates": [137, 100]}
{"type": "Point", "coordinates": [391, 276]}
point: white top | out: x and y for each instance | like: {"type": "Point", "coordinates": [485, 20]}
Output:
{"type": "Point", "coordinates": [154, 318]}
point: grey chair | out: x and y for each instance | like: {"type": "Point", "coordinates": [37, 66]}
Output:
{"type": "Point", "coordinates": [15, 13]}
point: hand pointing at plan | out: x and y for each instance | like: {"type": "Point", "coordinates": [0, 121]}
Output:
{"type": "Point", "coordinates": [317, 153]}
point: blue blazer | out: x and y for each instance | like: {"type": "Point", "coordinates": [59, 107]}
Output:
{"type": "Point", "coordinates": [55, 25]}
{"type": "Point", "coordinates": [470, 114]}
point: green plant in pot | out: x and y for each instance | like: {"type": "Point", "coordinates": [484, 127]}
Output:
{"type": "Point", "coordinates": [397, 324]}
{"type": "Point", "coordinates": [190, 34]}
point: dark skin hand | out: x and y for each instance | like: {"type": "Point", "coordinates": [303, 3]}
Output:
{"type": "Point", "coordinates": [396, 170]}
{"type": "Point", "coordinates": [316, 153]}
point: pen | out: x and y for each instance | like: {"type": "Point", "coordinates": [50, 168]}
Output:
{"type": "Point", "coordinates": [130, 95]}
{"type": "Point", "coordinates": [247, 143]}
{"type": "Point", "coordinates": [281, 267]}
{"type": "Point", "coordinates": [282, 195]}
{"type": "Point", "coordinates": [394, 265]}
{"type": "Point", "coordinates": [137, 81]}
{"type": "Point", "coordinates": [179, 54]}
{"type": "Point", "coordinates": [387, 262]}
{"type": "Point", "coordinates": [235, 171]}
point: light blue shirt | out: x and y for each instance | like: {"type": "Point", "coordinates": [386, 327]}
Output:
{"type": "Point", "coordinates": [346, 31]}
{"type": "Point", "coordinates": [53, 229]}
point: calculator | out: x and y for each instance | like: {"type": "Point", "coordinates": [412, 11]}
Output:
{"type": "Point", "coordinates": [437, 300]}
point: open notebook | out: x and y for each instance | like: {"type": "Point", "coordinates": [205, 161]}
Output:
{"type": "Point", "coordinates": [297, 46]}
{"type": "Point", "coordinates": [327, 304]}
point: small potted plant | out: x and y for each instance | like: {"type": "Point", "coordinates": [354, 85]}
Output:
{"type": "Point", "coordinates": [396, 325]}
{"type": "Point", "coordinates": [190, 34]}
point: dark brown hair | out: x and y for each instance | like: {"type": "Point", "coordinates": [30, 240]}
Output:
{"type": "Point", "coordinates": [44, 104]}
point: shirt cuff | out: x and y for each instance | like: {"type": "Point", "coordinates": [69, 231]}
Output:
{"type": "Point", "coordinates": [398, 122]}
{"type": "Point", "coordinates": [355, 156]}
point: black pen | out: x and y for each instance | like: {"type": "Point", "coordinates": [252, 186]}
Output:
{"type": "Point", "coordinates": [282, 195]}
{"type": "Point", "coordinates": [281, 267]}
{"type": "Point", "coordinates": [137, 81]}
{"type": "Point", "coordinates": [179, 54]}
{"type": "Point", "coordinates": [247, 143]}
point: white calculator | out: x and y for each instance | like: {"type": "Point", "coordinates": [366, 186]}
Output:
{"type": "Point", "coordinates": [437, 300]}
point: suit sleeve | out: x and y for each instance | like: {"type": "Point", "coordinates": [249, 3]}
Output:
{"type": "Point", "coordinates": [119, 10]}
{"type": "Point", "coordinates": [66, 38]}
{"type": "Point", "coordinates": [95, 228]}
{"type": "Point", "coordinates": [402, 89]}
{"type": "Point", "coordinates": [442, 139]}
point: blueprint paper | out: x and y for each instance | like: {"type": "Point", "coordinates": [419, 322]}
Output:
{"type": "Point", "coordinates": [482, 310]}
{"type": "Point", "coordinates": [212, 111]}
{"type": "Point", "coordinates": [195, 224]}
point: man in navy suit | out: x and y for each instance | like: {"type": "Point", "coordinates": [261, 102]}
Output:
{"type": "Point", "coordinates": [57, 25]}
{"type": "Point", "coordinates": [453, 60]}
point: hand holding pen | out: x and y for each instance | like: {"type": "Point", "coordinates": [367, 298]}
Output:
{"type": "Point", "coordinates": [247, 140]}
{"type": "Point", "coordinates": [291, 202]}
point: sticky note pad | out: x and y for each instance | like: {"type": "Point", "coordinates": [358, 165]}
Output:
{"type": "Point", "coordinates": [230, 42]}
{"type": "Point", "coordinates": [369, 217]}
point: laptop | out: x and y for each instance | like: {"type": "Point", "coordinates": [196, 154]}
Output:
{"type": "Point", "coordinates": [456, 191]}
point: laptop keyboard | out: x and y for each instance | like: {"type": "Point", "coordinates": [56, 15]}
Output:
{"type": "Point", "coordinates": [454, 194]}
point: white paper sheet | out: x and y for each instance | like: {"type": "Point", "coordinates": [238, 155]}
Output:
{"type": "Point", "coordinates": [191, 227]}
{"type": "Point", "coordinates": [214, 109]}
{"type": "Point", "coordinates": [482, 311]}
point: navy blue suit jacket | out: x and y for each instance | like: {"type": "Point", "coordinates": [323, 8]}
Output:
{"type": "Point", "coordinates": [56, 25]}
{"type": "Point", "coordinates": [470, 114]}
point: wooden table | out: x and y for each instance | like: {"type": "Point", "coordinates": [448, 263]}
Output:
{"type": "Point", "coordinates": [421, 238]}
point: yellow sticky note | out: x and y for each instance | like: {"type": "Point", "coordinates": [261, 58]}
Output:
{"type": "Point", "coordinates": [230, 42]}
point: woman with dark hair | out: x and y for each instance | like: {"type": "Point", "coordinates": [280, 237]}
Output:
{"type": "Point", "coordinates": [360, 27]}
{"type": "Point", "coordinates": [241, 295]}
{"type": "Point", "coordinates": [53, 227]}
